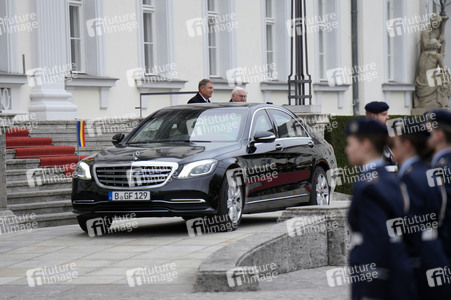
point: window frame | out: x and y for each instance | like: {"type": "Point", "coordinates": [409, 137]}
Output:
{"type": "Point", "coordinates": [80, 7]}
{"type": "Point", "coordinates": [213, 14]}
{"type": "Point", "coordinates": [270, 22]}
{"type": "Point", "coordinates": [149, 9]}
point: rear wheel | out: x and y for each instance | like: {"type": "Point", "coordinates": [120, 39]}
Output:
{"type": "Point", "coordinates": [320, 194]}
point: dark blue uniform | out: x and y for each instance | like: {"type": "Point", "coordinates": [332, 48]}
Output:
{"type": "Point", "coordinates": [374, 202]}
{"type": "Point", "coordinates": [425, 211]}
{"type": "Point", "coordinates": [442, 161]}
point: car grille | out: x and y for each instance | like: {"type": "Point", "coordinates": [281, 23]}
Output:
{"type": "Point", "coordinates": [138, 174]}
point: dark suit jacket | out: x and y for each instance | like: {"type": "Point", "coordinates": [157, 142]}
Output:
{"type": "Point", "coordinates": [198, 99]}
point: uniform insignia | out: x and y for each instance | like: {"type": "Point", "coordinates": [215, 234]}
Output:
{"type": "Point", "coordinates": [442, 162]}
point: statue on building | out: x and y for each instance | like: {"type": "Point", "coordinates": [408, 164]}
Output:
{"type": "Point", "coordinates": [433, 82]}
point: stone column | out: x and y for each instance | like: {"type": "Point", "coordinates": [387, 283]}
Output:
{"type": "Point", "coordinates": [49, 99]}
{"type": "Point", "coordinates": [5, 122]}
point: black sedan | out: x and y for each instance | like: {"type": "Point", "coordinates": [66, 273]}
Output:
{"type": "Point", "coordinates": [206, 160]}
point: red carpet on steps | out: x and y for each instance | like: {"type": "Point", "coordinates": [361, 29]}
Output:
{"type": "Point", "coordinates": [41, 147]}
{"type": "Point", "coordinates": [36, 152]}
{"type": "Point", "coordinates": [17, 132]}
{"type": "Point", "coordinates": [19, 142]}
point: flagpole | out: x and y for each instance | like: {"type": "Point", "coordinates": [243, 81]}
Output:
{"type": "Point", "coordinates": [78, 143]}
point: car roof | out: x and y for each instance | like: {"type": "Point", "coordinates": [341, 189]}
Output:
{"type": "Point", "coordinates": [219, 105]}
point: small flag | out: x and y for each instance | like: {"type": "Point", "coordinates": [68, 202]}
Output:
{"type": "Point", "coordinates": [81, 133]}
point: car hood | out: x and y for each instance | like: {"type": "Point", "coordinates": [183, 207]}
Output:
{"type": "Point", "coordinates": [178, 152]}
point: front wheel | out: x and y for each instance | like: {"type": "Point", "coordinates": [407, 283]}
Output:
{"type": "Point", "coordinates": [230, 206]}
{"type": "Point", "coordinates": [320, 194]}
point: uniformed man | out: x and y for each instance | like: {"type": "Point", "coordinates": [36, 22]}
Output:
{"type": "Point", "coordinates": [440, 173]}
{"type": "Point", "coordinates": [378, 111]}
{"type": "Point", "coordinates": [376, 199]}
{"type": "Point", "coordinates": [425, 208]}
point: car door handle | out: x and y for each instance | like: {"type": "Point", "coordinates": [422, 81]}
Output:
{"type": "Point", "coordinates": [311, 144]}
{"type": "Point", "coordinates": [279, 147]}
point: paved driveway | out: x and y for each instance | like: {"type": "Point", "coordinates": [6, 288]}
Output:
{"type": "Point", "coordinates": [73, 265]}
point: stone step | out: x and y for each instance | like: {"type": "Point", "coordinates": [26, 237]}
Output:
{"type": "Point", "coordinates": [10, 153]}
{"type": "Point", "coordinates": [14, 164]}
{"type": "Point", "coordinates": [39, 196]}
{"type": "Point", "coordinates": [41, 208]}
{"type": "Point", "coordinates": [21, 174]}
{"type": "Point", "coordinates": [39, 183]}
{"type": "Point", "coordinates": [56, 219]}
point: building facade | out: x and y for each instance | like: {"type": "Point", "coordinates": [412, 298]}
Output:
{"type": "Point", "coordinates": [67, 59]}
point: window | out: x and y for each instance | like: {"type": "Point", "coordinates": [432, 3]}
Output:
{"type": "Point", "coordinates": [261, 122]}
{"type": "Point", "coordinates": [396, 30]}
{"type": "Point", "coordinates": [322, 44]}
{"type": "Point", "coordinates": [149, 36]}
{"type": "Point", "coordinates": [270, 28]}
{"type": "Point", "coordinates": [327, 40]}
{"type": "Point", "coordinates": [390, 44]}
{"type": "Point", "coordinates": [75, 33]}
{"type": "Point", "coordinates": [213, 55]}
{"type": "Point", "coordinates": [287, 126]}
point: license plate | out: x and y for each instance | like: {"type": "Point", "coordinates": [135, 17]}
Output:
{"type": "Point", "coordinates": [128, 196]}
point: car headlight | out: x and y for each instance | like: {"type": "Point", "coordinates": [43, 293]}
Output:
{"type": "Point", "coordinates": [198, 168]}
{"type": "Point", "coordinates": [82, 171]}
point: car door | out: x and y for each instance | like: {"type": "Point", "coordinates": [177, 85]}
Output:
{"type": "Point", "coordinates": [264, 163]}
{"type": "Point", "coordinates": [298, 148]}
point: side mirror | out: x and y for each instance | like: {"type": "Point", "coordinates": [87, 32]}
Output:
{"type": "Point", "coordinates": [117, 138]}
{"type": "Point", "coordinates": [264, 137]}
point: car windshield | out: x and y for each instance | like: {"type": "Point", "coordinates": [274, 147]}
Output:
{"type": "Point", "coordinates": [211, 125]}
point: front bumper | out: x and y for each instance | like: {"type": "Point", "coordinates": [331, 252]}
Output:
{"type": "Point", "coordinates": [179, 197]}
